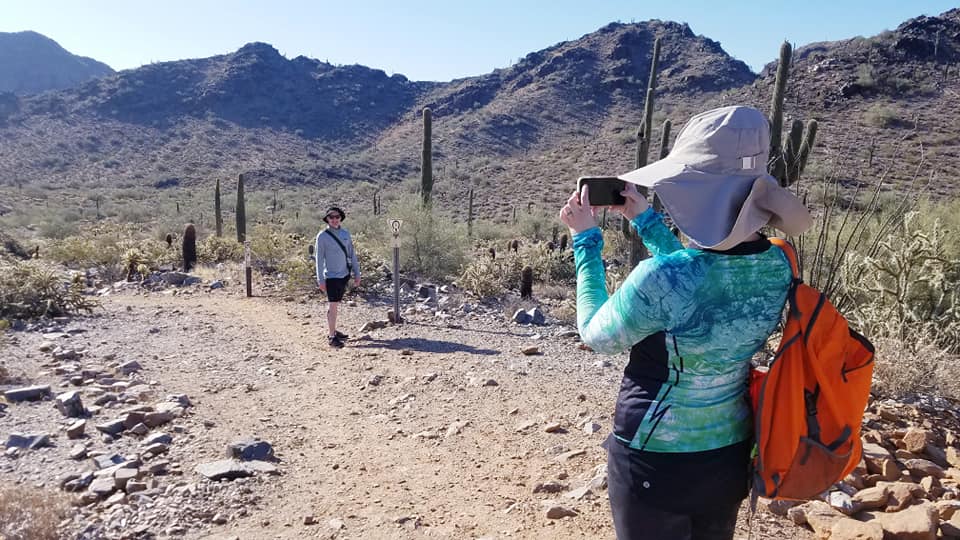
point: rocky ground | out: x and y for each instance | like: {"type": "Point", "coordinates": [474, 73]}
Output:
{"type": "Point", "coordinates": [467, 425]}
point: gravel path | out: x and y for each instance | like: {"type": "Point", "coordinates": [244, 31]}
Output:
{"type": "Point", "coordinates": [436, 428]}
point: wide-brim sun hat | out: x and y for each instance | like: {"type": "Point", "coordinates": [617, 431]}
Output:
{"type": "Point", "coordinates": [714, 183]}
{"type": "Point", "coordinates": [331, 210]}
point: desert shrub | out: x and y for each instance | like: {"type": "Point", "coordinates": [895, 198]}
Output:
{"type": "Point", "coordinates": [433, 245]}
{"type": "Point", "coordinates": [157, 254]}
{"type": "Point", "coordinates": [11, 246]}
{"type": "Point", "coordinates": [31, 514]}
{"type": "Point", "coordinates": [866, 76]}
{"type": "Point", "coordinates": [96, 245]}
{"type": "Point", "coordinates": [536, 225]}
{"type": "Point", "coordinates": [488, 231]}
{"type": "Point", "coordinates": [36, 288]}
{"type": "Point", "coordinates": [893, 272]}
{"type": "Point", "coordinates": [485, 277]}
{"type": "Point", "coordinates": [881, 115]}
{"type": "Point", "coordinates": [214, 249]}
{"type": "Point", "coordinates": [908, 360]}
{"type": "Point", "coordinates": [372, 265]}
{"type": "Point", "coordinates": [299, 273]}
{"type": "Point", "coordinates": [549, 266]}
{"type": "Point", "coordinates": [270, 245]}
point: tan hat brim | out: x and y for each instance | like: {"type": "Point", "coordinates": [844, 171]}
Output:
{"type": "Point", "coordinates": [720, 211]}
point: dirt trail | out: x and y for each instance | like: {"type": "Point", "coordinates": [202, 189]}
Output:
{"type": "Point", "coordinates": [378, 458]}
{"type": "Point", "coordinates": [425, 429]}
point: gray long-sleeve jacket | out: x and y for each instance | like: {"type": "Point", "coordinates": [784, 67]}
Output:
{"type": "Point", "coordinates": [331, 261]}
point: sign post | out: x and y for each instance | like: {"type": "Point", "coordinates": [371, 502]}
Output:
{"type": "Point", "coordinates": [246, 267]}
{"type": "Point", "coordinates": [395, 229]}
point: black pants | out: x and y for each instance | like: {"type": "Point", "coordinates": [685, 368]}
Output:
{"type": "Point", "coordinates": [690, 496]}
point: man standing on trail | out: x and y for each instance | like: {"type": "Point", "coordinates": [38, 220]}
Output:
{"type": "Point", "coordinates": [336, 262]}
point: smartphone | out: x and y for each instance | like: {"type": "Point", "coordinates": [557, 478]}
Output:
{"type": "Point", "coordinates": [604, 190]}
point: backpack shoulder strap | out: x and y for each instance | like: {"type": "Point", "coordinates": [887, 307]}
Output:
{"type": "Point", "coordinates": [343, 247]}
{"type": "Point", "coordinates": [790, 252]}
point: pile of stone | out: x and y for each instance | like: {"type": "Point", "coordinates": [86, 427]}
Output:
{"type": "Point", "coordinates": [906, 487]}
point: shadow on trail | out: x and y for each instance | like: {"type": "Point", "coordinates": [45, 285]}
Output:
{"type": "Point", "coordinates": [423, 345]}
{"type": "Point", "coordinates": [459, 328]}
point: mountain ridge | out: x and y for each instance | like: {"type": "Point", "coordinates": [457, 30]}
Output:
{"type": "Point", "coordinates": [31, 63]}
{"type": "Point", "coordinates": [567, 109]}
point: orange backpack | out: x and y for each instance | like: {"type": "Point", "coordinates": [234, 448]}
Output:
{"type": "Point", "coordinates": [809, 405]}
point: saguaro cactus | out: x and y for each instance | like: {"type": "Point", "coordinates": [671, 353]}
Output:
{"type": "Point", "coordinates": [637, 250]}
{"type": "Point", "coordinates": [470, 214]}
{"type": "Point", "coordinates": [665, 139]}
{"type": "Point", "coordinates": [426, 161]}
{"type": "Point", "coordinates": [787, 158]}
{"type": "Point", "coordinates": [189, 250]}
{"type": "Point", "coordinates": [241, 212]}
{"type": "Point", "coordinates": [217, 210]}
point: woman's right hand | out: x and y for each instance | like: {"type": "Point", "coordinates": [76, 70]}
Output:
{"type": "Point", "coordinates": [636, 203]}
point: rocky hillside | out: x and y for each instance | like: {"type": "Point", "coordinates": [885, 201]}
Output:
{"type": "Point", "coordinates": [31, 63]}
{"type": "Point", "coordinates": [567, 110]}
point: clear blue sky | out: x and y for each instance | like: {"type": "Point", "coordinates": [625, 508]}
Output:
{"type": "Point", "coordinates": [430, 39]}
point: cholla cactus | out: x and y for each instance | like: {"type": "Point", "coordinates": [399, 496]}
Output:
{"type": "Point", "coordinates": [907, 284]}
{"type": "Point", "coordinates": [132, 260]}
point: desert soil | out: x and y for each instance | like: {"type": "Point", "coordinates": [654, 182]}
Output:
{"type": "Point", "coordinates": [426, 429]}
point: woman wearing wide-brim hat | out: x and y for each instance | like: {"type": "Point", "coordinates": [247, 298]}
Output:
{"type": "Point", "coordinates": [678, 457]}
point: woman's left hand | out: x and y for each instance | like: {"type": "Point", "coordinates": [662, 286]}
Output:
{"type": "Point", "coordinates": [577, 213]}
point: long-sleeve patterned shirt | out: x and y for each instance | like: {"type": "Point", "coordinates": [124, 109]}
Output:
{"type": "Point", "coordinates": [692, 320]}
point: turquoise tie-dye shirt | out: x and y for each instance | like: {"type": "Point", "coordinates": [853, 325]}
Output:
{"type": "Point", "coordinates": [692, 318]}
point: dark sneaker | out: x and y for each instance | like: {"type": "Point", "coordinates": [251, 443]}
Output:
{"type": "Point", "coordinates": [335, 342]}
{"type": "Point", "coordinates": [341, 336]}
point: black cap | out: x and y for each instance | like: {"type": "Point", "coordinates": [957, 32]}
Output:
{"type": "Point", "coordinates": [331, 210]}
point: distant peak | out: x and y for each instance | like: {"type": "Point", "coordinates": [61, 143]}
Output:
{"type": "Point", "coordinates": [259, 48]}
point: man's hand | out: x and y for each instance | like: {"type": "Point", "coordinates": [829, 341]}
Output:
{"type": "Point", "coordinates": [322, 286]}
{"type": "Point", "coordinates": [356, 282]}
{"type": "Point", "coordinates": [636, 203]}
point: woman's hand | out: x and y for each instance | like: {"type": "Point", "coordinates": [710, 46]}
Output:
{"type": "Point", "coordinates": [636, 203]}
{"type": "Point", "coordinates": [577, 213]}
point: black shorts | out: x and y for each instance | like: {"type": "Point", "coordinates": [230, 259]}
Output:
{"type": "Point", "coordinates": [336, 287]}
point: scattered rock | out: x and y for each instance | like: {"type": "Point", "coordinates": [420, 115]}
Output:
{"type": "Point", "coordinates": [27, 393]}
{"type": "Point", "coordinates": [76, 429]}
{"type": "Point", "coordinates": [30, 442]}
{"type": "Point", "coordinates": [250, 448]}
{"type": "Point", "coordinates": [521, 317]}
{"type": "Point", "coordinates": [552, 427]}
{"type": "Point", "coordinates": [557, 511]}
{"type": "Point", "coordinates": [549, 487]}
